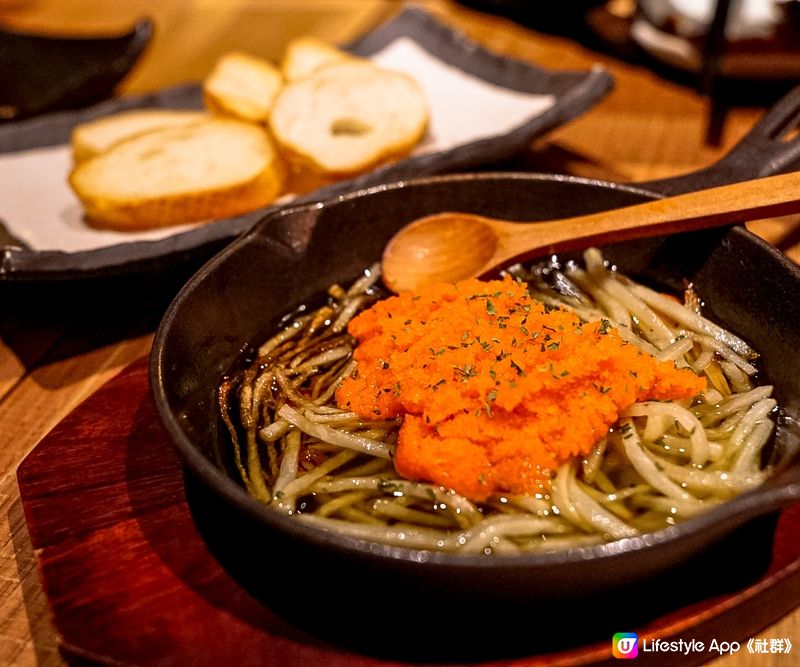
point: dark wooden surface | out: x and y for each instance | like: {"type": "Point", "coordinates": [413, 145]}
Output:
{"type": "Point", "coordinates": [131, 581]}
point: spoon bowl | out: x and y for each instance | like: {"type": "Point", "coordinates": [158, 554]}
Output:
{"type": "Point", "coordinates": [451, 246]}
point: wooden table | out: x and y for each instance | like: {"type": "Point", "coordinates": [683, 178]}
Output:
{"type": "Point", "coordinates": [648, 127]}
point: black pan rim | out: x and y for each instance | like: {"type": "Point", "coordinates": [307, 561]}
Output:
{"type": "Point", "coordinates": [743, 507]}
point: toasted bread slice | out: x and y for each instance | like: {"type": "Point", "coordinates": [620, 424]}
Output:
{"type": "Point", "coordinates": [345, 119]}
{"type": "Point", "coordinates": [210, 170]}
{"type": "Point", "coordinates": [97, 136]}
{"type": "Point", "coordinates": [242, 86]}
{"type": "Point", "coordinates": [305, 55]}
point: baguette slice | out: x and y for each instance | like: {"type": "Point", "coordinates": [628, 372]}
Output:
{"type": "Point", "coordinates": [242, 86]}
{"type": "Point", "coordinates": [345, 119]}
{"type": "Point", "coordinates": [210, 170]}
{"type": "Point", "coordinates": [97, 136]}
{"type": "Point", "coordinates": [305, 55]}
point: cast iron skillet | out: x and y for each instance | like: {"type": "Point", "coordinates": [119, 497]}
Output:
{"type": "Point", "coordinates": [291, 256]}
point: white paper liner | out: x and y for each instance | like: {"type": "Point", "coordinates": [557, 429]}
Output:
{"type": "Point", "coordinates": [38, 206]}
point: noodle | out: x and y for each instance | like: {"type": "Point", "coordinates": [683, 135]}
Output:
{"type": "Point", "coordinates": [662, 462]}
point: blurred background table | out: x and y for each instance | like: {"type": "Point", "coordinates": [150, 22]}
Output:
{"type": "Point", "coordinates": [52, 358]}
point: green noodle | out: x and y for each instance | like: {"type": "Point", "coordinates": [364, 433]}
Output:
{"type": "Point", "coordinates": [661, 463]}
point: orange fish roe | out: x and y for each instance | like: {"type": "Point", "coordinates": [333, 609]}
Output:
{"type": "Point", "coordinates": [496, 390]}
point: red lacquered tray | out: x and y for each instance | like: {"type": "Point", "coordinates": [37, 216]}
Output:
{"type": "Point", "coordinates": [130, 580]}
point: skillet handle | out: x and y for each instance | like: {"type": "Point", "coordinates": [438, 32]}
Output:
{"type": "Point", "coordinates": [769, 148]}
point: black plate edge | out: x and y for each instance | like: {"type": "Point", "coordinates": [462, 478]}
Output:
{"type": "Point", "coordinates": [576, 92]}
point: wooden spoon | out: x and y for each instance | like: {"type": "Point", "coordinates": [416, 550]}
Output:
{"type": "Point", "coordinates": [446, 247]}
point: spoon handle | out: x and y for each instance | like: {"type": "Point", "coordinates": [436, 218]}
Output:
{"type": "Point", "coordinates": [728, 204]}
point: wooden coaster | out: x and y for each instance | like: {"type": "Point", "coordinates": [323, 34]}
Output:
{"type": "Point", "coordinates": [131, 581]}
